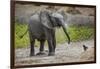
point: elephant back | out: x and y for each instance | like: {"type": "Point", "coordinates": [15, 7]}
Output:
{"type": "Point", "coordinates": [35, 26]}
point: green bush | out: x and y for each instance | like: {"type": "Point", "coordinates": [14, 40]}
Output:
{"type": "Point", "coordinates": [81, 33]}
{"type": "Point", "coordinates": [76, 34]}
{"type": "Point", "coordinates": [19, 30]}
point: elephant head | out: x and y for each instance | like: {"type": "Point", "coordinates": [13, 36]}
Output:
{"type": "Point", "coordinates": [52, 20]}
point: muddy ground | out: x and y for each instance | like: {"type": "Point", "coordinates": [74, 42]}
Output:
{"type": "Point", "coordinates": [65, 53]}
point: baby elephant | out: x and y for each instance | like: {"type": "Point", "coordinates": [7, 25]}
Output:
{"type": "Point", "coordinates": [41, 26]}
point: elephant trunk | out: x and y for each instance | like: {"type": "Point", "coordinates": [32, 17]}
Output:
{"type": "Point", "coordinates": [64, 29]}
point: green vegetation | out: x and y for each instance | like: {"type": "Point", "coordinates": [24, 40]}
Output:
{"type": "Point", "coordinates": [19, 30]}
{"type": "Point", "coordinates": [75, 33]}
{"type": "Point", "coordinates": [81, 33]}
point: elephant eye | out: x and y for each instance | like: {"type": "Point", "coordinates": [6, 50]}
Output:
{"type": "Point", "coordinates": [58, 21]}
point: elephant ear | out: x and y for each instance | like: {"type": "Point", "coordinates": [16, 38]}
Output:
{"type": "Point", "coordinates": [45, 19]}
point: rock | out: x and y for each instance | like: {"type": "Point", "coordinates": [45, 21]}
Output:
{"type": "Point", "coordinates": [80, 20]}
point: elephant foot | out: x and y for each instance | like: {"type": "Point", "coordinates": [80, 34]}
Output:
{"type": "Point", "coordinates": [32, 55]}
{"type": "Point", "coordinates": [41, 53]}
{"type": "Point", "coordinates": [51, 54]}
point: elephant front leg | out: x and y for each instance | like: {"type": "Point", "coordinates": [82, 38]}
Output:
{"type": "Point", "coordinates": [51, 41]}
{"type": "Point", "coordinates": [54, 39]}
{"type": "Point", "coordinates": [32, 52]}
{"type": "Point", "coordinates": [51, 48]}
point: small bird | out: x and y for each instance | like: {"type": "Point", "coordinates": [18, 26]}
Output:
{"type": "Point", "coordinates": [85, 47]}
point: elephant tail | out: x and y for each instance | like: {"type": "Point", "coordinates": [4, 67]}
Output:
{"type": "Point", "coordinates": [21, 36]}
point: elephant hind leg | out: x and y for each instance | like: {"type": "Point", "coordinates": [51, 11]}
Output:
{"type": "Point", "coordinates": [32, 52]}
{"type": "Point", "coordinates": [41, 51]}
{"type": "Point", "coordinates": [42, 45]}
